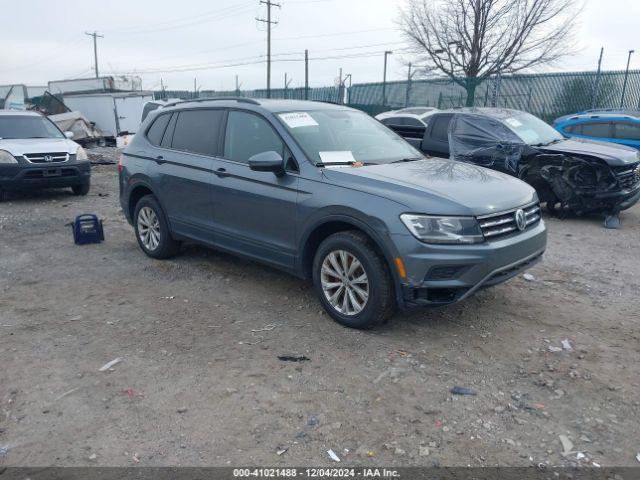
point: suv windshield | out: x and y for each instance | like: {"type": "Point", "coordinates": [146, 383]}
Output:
{"type": "Point", "coordinates": [532, 130]}
{"type": "Point", "coordinates": [23, 126]}
{"type": "Point", "coordinates": [345, 136]}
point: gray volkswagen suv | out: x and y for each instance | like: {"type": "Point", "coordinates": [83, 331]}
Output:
{"type": "Point", "coordinates": [328, 193]}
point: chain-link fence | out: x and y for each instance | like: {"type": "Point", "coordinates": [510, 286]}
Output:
{"type": "Point", "coordinates": [321, 94]}
{"type": "Point", "coordinates": [548, 95]}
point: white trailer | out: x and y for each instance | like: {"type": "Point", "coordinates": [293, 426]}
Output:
{"type": "Point", "coordinates": [114, 113]}
{"type": "Point", "coordinates": [96, 85]}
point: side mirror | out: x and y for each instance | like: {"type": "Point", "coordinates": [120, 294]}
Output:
{"type": "Point", "coordinates": [69, 135]}
{"type": "Point", "coordinates": [267, 162]}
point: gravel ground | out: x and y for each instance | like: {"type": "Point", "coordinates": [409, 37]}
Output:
{"type": "Point", "coordinates": [200, 382]}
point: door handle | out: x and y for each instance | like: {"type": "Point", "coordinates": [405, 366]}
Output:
{"type": "Point", "coordinates": [221, 172]}
{"type": "Point", "coordinates": [160, 159]}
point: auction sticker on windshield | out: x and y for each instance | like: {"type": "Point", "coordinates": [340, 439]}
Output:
{"type": "Point", "coordinates": [336, 157]}
{"type": "Point", "coordinates": [298, 119]}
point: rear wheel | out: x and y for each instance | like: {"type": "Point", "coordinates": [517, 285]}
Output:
{"type": "Point", "coordinates": [352, 280]}
{"type": "Point", "coordinates": [152, 229]}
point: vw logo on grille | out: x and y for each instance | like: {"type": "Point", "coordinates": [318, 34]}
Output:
{"type": "Point", "coordinates": [521, 219]}
{"type": "Point", "coordinates": [48, 158]}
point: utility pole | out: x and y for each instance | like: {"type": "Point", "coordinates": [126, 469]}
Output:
{"type": "Point", "coordinates": [238, 85]}
{"type": "Point", "coordinates": [306, 74]}
{"type": "Point", "coordinates": [95, 48]}
{"type": "Point", "coordinates": [286, 84]}
{"type": "Point", "coordinates": [596, 87]}
{"type": "Point", "coordinates": [384, 78]}
{"type": "Point", "coordinates": [268, 21]}
{"type": "Point", "coordinates": [408, 93]}
{"type": "Point", "coordinates": [340, 94]}
{"type": "Point", "coordinates": [626, 77]}
{"type": "Point", "coordinates": [195, 89]}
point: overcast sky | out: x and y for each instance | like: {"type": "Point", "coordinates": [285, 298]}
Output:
{"type": "Point", "coordinates": [44, 40]}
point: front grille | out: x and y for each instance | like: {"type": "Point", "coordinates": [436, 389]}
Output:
{"type": "Point", "coordinates": [498, 225]}
{"type": "Point", "coordinates": [628, 176]}
{"type": "Point", "coordinates": [45, 158]}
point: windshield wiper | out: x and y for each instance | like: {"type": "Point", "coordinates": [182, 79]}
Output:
{"type": "Point", "coordinates": [410, 159]}
{"type": "Point", "coordinates": [548, 143]}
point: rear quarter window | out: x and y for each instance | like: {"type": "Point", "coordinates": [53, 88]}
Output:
{"type": "Point", "coordinates": [157, 129]}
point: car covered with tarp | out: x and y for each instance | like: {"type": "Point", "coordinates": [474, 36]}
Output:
{"type": "Point", "coordinates": [578, 175]}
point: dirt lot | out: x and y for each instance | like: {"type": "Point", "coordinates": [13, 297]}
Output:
{"type": "Point", "coordinates": [200, 382]}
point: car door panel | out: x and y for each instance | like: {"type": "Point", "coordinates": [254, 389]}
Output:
{"type": "Point", "coordinates": [254, 211]}
{"type": "Point", "coordinates": [185, 171]}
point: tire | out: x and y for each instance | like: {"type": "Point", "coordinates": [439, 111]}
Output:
{"type": "Point", "coordinates": [159, 244]}
{"type": "Point", "coordinates": [344, 247]}
{"type": "Point", "coordinates": [82, 189]}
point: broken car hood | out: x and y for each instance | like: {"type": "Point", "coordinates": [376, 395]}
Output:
{"type": "Point", "coordinates": [20, 146]}
{"type": "Point", "coordinates": [438, 186]}
{"type": "Point", "coordinates": [615, 155]}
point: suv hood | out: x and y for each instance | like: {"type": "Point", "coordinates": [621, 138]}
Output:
{"type": "Point", "coordinates": [20, 146]}
{"type": "Point", "coordinates": [614, 154]}
{"type": "Point", "coordinates": [438, 186]}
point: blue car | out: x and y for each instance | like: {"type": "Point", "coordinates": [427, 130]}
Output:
{"type": "Point", "coordinates": [617, 126]}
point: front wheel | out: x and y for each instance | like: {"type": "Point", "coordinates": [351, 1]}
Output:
{"type": "Point", "coordinates": [152, 229]}
{"type": "Point", "coordinates": [82, 189]}
{"type": "Point", "coordinates": [353, 281]}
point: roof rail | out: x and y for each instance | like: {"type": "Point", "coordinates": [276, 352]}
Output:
{"type": "Point", "coordinates": [210, 99]}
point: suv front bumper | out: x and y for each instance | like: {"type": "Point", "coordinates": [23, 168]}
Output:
{"type": "Point", "coordinates": [57, 175]}
{"type": "Point", "coordinates": [445, 274]}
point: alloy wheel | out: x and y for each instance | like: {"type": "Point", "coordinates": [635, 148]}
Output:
{"type": "Point", "coordinates": [148, 228]}
{"type": "Point", "coordinates": [344, 282]}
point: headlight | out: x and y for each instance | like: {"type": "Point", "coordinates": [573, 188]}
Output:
{"type": "Point", "coordinates": [6, 157]}
{"type": "Point", "coordinates": [81, 154]}
{"type": "Point", "coordinates": [449, 230]}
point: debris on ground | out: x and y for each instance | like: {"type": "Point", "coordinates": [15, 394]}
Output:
{"type": "Point", "coordinates": [182, 410]}
{"type": "Point", "coordinates": [68, 392]}
{"type": "Point", "coordinates": [528, 277]}
{"type": "Point", "coordinates": [638, 457]}
{"type": "Point", "coordinates": [554, 349]}
{"type": "Point", "coordinates": [462, 391]}
{"type": "Point", "coordinates": [93, 456]}
{"type": "Point", "coordinates": [333, 455]}
{"type": "Point", "coordinates": [131, 393]}
{"type": "Point", "coordinates": [281, 450]}
{"type": "Point", "coordinates": [566, 345]}
{"type": "Point", "coordinates": [110, 364]}
{"type": "Point", "coordinates": [567, 445]}
{"type": "Point", "coordinates": [313, 421]}
{"type": "Point", "coordinates": [424, 451]}
{"type": "Point", "coordinates": [4, 450]}
{"type": "Point", "coordinates": [291, 358]}
{"type": "Point", "coordinates": [135, 457]}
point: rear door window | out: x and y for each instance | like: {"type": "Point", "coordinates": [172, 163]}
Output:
{"type": "Point", "coordinates": [626, 131]}
{"type": "Point", "coordinates": [157, 129]}
{"type": "Point", "coordinates": [248, 134]}
{"type": "Point", "coordinates": [198, 131]}
{"type": "Point", "coordinates": [440, 128]}
{"type": "Point", "coordinates": [597, 129]}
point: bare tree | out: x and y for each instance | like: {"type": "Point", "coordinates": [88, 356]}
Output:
{"type": "Point", "coordinates": [470, 40]}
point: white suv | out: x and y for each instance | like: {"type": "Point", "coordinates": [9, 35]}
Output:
{"type": "Point", "coordinates": [34, 154]}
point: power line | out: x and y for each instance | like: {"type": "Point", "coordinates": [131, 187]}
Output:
{"type": "Point", "coordinates": [211, 15]}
